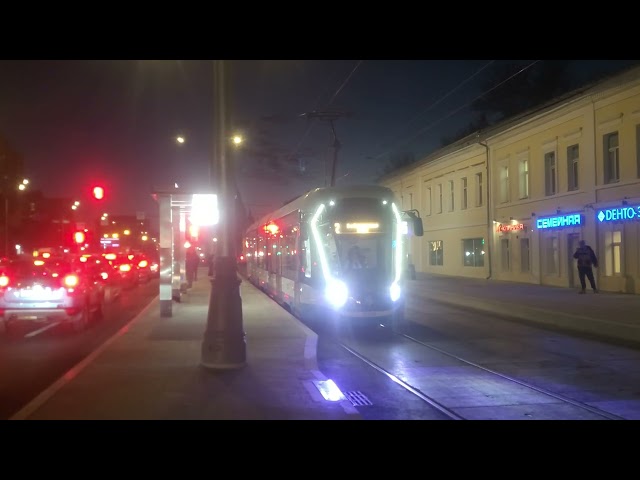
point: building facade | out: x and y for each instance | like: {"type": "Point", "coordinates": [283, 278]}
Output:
{"type": "Point", "coordinates": [511, 203]}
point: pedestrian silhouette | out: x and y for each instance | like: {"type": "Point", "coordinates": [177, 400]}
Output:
{"type": "Point", "coordinates": [191, 262]}
{"type": "Point", "coordinates": [586, 261]}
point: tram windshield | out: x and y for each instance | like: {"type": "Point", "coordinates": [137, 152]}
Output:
{"type": "Point", "coordinates": [358, 236]}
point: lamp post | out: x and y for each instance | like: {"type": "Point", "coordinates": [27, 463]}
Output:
{"type": "Point", "coordinates": [224, 345]}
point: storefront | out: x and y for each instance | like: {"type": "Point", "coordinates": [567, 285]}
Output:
{"type": "Point", "coordinates": [558, 238]}
{"type": "Point", "coordinates": [618, 231]}
{"type": "Point", "coordinates": [513, 244]}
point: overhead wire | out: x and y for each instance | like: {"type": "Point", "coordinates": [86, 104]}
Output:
{"type": "Point", "coordinates": [310, 125]}
{"type": "Point", "coordinates": [453, 112]}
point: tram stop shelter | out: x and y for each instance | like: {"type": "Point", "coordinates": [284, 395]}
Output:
{"type": "Point", "coordinates": [177, 209]}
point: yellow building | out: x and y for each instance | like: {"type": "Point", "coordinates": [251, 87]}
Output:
{"type": "Point", "coordinates": [512, 202]}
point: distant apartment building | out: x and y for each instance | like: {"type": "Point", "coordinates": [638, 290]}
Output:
{"type": "Point", "coordinates": [11, 175]}
{"type": "Point", "coordinates": [512, 202]}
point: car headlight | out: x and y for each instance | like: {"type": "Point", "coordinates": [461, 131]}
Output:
{"type": "Point", "coordinates": [394, 292]}
{"type": "Point", "coordinates": [337, 293]}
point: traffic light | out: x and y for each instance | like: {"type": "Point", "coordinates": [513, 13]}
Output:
{"type": "Point", "coordinates": [98, 193]}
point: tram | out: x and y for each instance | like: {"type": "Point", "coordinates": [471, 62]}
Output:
{"type": "Point", "coordinates": [335, 253]}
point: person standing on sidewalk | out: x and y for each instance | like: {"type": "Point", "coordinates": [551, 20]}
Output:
{"type": "Point", "coordinates": [586, 261]}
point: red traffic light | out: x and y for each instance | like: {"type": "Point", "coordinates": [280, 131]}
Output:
{"type": "Point", "coordinates": [79, 237]}
{"type": "Point", "coordinates": [98, 193]}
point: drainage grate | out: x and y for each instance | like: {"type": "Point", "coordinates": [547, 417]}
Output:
{"type": "Point", "coordinates": [358, 399]}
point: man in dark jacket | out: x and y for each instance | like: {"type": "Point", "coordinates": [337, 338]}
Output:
{"type": "Point", "coordinates": [586, 261]}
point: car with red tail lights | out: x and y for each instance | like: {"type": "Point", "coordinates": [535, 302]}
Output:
{"type": "Point", "coordinates": [48, 290]}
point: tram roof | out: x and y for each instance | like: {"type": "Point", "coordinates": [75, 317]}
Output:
{"type": "Point", "coordinates": [322, 195]}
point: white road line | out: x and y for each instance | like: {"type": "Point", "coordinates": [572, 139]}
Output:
{"type": "Point", "coordinates": [43, 397]}
{"type": "Point", "coordinates": [40, 330]}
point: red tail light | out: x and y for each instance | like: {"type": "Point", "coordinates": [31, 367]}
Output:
{"type": "Point", "coordinates": [71, 281]}
{"type": "Point", "coordinates": [125, 267]}
{"type": "Point", "coordinates": [4, 280]}
{"type": "Point", "coordinates": [104, 275]}
{"type": "Point", "coordinates": [143, 263]}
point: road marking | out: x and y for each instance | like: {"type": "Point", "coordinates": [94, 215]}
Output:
{"type": "Point", "coordinates": [44, 396]}
{"type": "Point", "coordinates": [40, 330]}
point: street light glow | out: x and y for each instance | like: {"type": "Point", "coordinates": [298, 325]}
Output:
{"type": "Point", "coordinates": [21, 186]}
{"type": "Point", "coordinates": [180, 139]}
{"type": "Point", "coordinates": [237, 139]}
{"type": "Point", "coordinates": [25, 182]}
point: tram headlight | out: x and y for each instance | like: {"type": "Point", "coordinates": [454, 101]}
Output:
{"type": "Point", "coordinates": [394, 292]}
{"type": "Point", "coordinates": [337, 293]}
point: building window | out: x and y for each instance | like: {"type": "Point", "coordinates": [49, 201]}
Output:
{"type": "Point", "coordinates": [524, 178]}
{"type": "Point", "coordinates": [525, 258]}
{"type": "Point", "coordinates": [504, 250]}
{"type": "Point", "coordinates": [479, 197]}
{"type": "Point", "coordinates": [427, 196]}
{"type": "Point", "coordinates": [551, 256]}
{"type": "Point", "coordinates": [504, 184]}
{"type": "Point", "coordinates": [451, 196]}
{"type": "Point", "coordinates": [573, 155]}
{"type": "Point", "coordinates": [613, 254]}
{"type": "Point", "coordinates": [611, 158]}
{"type": "Point", "coordinates": [464, 194]}
{"type": "Point", "coordinates": [550, 174]}
{"type": "Point", "coordinates": [439, 205]}
{"type": "Point", "coordinates": [473, 252]}
{"type": "Point", "coordinates": [436, 253]}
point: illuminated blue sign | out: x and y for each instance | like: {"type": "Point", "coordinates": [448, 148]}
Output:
{"type": "Point", "coordinates": [575, 219]}
{"type": "Point", "coordinates": [624, 213]}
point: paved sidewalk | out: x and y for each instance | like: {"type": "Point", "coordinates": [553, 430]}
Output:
{"type": "Point", "coordinates": [151, 370]}
{"type": "Point", "coordinates": [614, 316]}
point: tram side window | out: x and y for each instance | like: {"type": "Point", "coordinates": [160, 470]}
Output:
{"type": "Point", "coordinates": [309, 259]}
{"type": "Point", "coordinates": [329, 246]}
{"type": "Point", "coordinates": [273, 255]}
{"type": "Point", "coordinates": [261, 252]}
{"type": "Point", "coordinates": [289, 264]}
{"type": "Point", "coordinates": [305, 258]}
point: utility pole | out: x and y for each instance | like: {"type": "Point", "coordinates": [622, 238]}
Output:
{"type": "Point", "coordinates": [331, 117]}
{"type": "Point", "coordinates": [224, 344]}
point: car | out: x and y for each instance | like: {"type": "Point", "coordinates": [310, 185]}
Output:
{"type": "Point", "coordinates": [47, 290]}
{"type": "Point", "coordinates": [124, 268]}
{"type": "Point", "coordinates": [112, 279]}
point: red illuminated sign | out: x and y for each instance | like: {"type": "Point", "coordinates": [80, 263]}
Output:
{"type": "Point", "coordinates": [510, 228]}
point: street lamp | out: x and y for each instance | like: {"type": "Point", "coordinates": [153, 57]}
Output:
{"type": "Point", "coordinates": [224, 344]}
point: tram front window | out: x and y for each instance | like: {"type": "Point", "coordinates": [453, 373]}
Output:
{"type": "Point", "coordinates": [357, 237]}
{"type": "Point", "coordinates": [364, 254]}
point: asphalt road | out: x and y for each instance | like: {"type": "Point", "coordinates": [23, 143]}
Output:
{"type": "Point", "coordinates": [35, 356]}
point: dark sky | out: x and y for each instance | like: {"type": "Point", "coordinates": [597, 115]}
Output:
{"type": "Point", "coordinates": [115, 122]}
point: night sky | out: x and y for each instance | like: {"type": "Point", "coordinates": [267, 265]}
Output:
{"type": "Point", "coordinates": [115, 122]}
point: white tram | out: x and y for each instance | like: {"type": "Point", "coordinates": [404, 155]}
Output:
{"type": "Point", "coordinates": [338, 250]}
